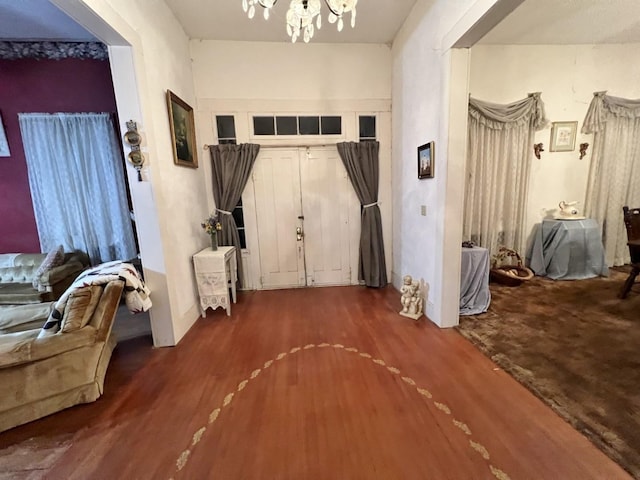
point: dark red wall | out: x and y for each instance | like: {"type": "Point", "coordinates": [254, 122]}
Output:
{"type": "Point", "coordinates": [46, 86]}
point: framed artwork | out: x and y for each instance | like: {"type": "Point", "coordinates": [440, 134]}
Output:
{"type": "Point", "coordinates": [563, 136]}
{"type": "Point", "coordinates": [183, 131]}
{"type": "Point", "coordinates": [4, 143]}
{"type": "Point", "coordinates": [426, 160]}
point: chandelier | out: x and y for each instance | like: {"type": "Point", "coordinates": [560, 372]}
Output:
{"type": "Point", "coordinates": [301, 14]}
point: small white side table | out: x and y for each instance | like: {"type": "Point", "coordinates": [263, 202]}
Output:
{"type": "Point", "coordinates": [216, 272]}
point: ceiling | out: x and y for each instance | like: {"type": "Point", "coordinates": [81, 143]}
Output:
{"type": "Point", "coordinates": [569, 22]}
{"type": "Point", "coordinates": [536, 22]}
{"type": "Point", "coordinates": [377, 21]}
{"type": "Point", "coordinates": [23, 20]}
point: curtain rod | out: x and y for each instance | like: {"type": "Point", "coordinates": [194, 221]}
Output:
{"type": "Point", "coordinates": [206, 146]}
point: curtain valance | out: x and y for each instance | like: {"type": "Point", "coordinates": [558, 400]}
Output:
{"type": "Point", "coordinates": [604, 105]}
{"type": "Point", "coordinates": [528, 111]}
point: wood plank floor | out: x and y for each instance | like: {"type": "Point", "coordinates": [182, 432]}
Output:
{"type": "Point", "coordinates": [313, 384]}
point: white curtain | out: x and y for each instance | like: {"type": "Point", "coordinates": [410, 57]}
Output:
{"type": "Point", "coordinates": [614, 174]}
{"type": "Point", "coordinates": [77, 184]}
{"type": "Point", "coordinates": [500, 150]}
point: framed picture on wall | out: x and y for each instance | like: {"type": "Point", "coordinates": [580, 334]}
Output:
{"type": "Point", "coordinates": [183, 131]}
{"type": "Point", "coordinates": [426, 160]}
{"type": "Point", "coordinates": [4, 143]}
{"type": "Point", "coordinates": [563, 136]}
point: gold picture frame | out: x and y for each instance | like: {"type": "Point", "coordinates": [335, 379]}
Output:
{"type": "Point", "coordinates": [183, 131]}
{"type": "Point", "coordinates": [563, 136]}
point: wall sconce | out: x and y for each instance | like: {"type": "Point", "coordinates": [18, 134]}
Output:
{"type": "Point", "coordinates": [537, 149]}
{"type": "Point", "coordinates": [133, 138]}
{"type": "Point", "coordinates": [583, 150]}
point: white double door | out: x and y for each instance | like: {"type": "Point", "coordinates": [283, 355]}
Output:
{"type": "Point", "coordinates": [308, 218]}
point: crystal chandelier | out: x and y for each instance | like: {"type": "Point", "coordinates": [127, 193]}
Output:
{"type": "Point", "coordinates": [301, 14]}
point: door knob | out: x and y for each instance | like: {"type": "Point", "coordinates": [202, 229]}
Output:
{"type": "Point", "coordinates": [299, 233]}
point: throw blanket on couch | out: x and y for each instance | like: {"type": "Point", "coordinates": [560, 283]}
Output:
{"type": "Point", "coordinates": [136, 293]}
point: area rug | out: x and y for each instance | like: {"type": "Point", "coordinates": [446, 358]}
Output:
{"type": "Point", "coordinates": [576, 346]}
{"type": "Point", "coordinates": [32, 458]}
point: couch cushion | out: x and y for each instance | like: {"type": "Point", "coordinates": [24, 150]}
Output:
{"type": "Point", "coordinates": [80, 307]}
{"type": "Point", "coordinates": [54, 258]}
{"type": "Point", "coordinates": [18, 318]}
{"type": "Point", "coordinates": [23, 347]}
{"type": "Point", "coordinates": [18, 294]}
{"type": "Point", "coordinates": [18, 274]}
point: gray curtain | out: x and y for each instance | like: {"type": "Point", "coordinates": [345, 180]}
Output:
{"type": "Point", "coordinates": [361, 162]}
{"type": "Point", "coordinates": [231, 166]}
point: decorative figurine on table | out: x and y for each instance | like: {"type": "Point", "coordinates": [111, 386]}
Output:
{"type": "Point", "coordinates": [568, 211]}
{"type": "Point", "coordinates": [411, 299]}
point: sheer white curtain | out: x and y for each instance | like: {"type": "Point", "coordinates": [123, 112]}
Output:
{"type": "Point", "coordinates": [77, 184]}
{"type": "Point", "coordinates": [614, 174]}
{"type": "Point", "coordinates": [497, 175]}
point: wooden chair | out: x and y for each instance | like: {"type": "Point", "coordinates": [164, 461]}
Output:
{"type": "Point", "coordinates": [632, 222]}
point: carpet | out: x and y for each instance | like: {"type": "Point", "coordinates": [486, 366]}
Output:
{"type": "Point", "coordinates": [32, 458]}
{"type": "Point", "coordinates": [576, 346]}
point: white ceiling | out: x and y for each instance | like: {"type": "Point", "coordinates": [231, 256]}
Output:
{"type": "Point", "coordinates": [569, 22]}
{"type": "Point", "coordinates": [23, 20]}
{"type": "Point", "coordinates": [377, 21]}
{"type": "Point", "coordinates": [536, 22]}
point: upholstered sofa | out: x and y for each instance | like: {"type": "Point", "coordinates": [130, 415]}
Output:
{"type": "Point", "coordinates": [23, 281]}
{"type": "Point", "coordinates": [42, 375]}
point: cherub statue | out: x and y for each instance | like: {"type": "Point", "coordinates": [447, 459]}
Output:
{"type": "Point", "coordinates": [406, 291]}
{"type": "Point", "coordinates": [410, 299]}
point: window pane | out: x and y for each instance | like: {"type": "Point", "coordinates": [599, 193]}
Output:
{"type": "Point", "coordinates": [331, 125]}
{"type": "Point", "coordinates": [243, 238]}
{"type": "Point", "coordinates": [309, 125]}
{"type": "Point", "coordinates": [238, 216]}
{"type": "Point", "coordinates": [229, 141]}
{"type": "Point", "coordinates": [263, 126]}
{"type": "Point", "coordinates": [226, 126]}
{"type": "Point", "coordinates": [287, 125]}
{"type": "Point", "coordinates": [367, 126]}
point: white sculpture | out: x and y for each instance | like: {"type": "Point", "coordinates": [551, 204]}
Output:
{"type": "Point", "coordinates": [411, 298]}
{"type": "Point", "coordinates": [568, 211]}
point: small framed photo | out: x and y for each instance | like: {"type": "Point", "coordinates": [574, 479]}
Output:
{"type": "Point", "coordinates": [183, 131]}
{"type": "Point", "coordinates": [563, 136]}
{"type": "Point", "coordinates": [4, 144]}
{"type": "Point", "coordinates": [426, 160]}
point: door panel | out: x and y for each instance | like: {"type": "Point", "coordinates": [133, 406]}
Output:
{"type": "Point", "coordinates": [277, 196]}
{"type": "Point", "coordinates": [325, 189]}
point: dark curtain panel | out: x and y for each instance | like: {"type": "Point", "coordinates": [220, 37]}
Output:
{"type": "Point", "coordinates": [231, 166]}
{"type": "Point", "coordinates": [361, 162]}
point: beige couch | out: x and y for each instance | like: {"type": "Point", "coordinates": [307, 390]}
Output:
{"type": "Point", "coordinates": [17, 272]}
{"type": "Point", "coordinates": [40, 376]}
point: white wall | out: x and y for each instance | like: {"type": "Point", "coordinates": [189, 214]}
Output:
{"type": "Point", "coordinates": [172, 196]}
{"type": "Point", "coordinates": [264, 70]}
{"type": "Point", "coordinates": [246, 78]}
{"type": "Point", "coordinates": [428, 81]}
{"type": "Point", "coordinates": [567, 76]}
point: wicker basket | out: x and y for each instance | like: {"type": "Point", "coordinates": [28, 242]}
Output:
{"type": "Point", "coordinates": [509, 274]}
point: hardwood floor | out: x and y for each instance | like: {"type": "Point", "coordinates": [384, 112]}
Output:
{"type": "Point", "coordinates": [313, 384]}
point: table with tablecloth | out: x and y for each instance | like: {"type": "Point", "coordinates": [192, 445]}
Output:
{"type": "Point", "coordinates": [475, 296]}
{"type": "Point", "coordinates": [568, 250]}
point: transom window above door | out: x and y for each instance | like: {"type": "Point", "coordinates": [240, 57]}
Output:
{"type": "Point", "coordinates": [292, 125]}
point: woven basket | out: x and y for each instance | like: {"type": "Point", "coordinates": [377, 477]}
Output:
{"type": "Point", "coordinates": [509, 274]}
